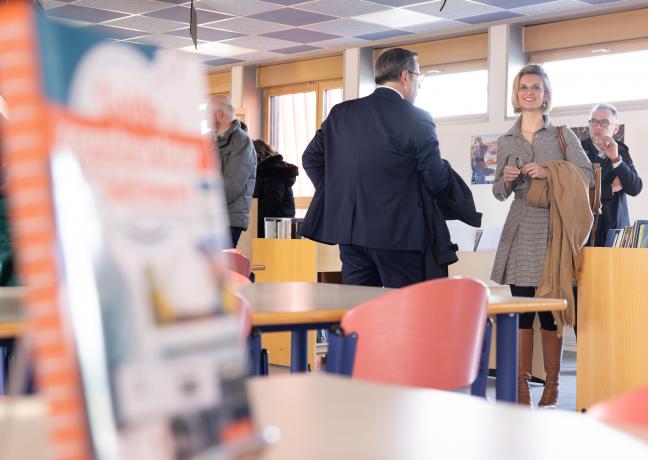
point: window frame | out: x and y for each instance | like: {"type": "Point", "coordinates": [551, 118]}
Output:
{"type": "Point", "coordinates": [567, 54]}
{"type": "Point", "coordinates": [319, 87]}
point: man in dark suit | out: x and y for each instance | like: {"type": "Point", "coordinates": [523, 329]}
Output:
{"type": "Point", "coordinates": [618, 175]}
{"type": "Point", "coordinates": [366, 162]}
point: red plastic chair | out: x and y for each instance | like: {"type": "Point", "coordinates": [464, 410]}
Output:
{"type": "Point", "coordinates": [258, 356]}
{"type": "Point", "coordinates": [237, 278]}
{"type": "Point", "coordinates": [237, 262]}
{"type": "Point", "coordinates": [427, 335]}
{"type": "Point", "coordinates": [627, 409]}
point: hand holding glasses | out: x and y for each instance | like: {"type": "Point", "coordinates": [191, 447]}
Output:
{"type": "Point", "coordinates": [520, 166]}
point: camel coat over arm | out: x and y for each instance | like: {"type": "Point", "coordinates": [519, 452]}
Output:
{"type": "Point", "coordinates": [523, 244]}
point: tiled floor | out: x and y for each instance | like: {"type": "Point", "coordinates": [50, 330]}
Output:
{"type": "Point", "coordinates": [567, 395]}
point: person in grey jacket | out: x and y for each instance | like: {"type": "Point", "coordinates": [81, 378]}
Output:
{"type": "Point", "coordinates": [238, 164]}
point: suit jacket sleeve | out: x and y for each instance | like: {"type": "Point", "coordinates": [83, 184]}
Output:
{"type": "Point", "coordinates": [431, 168]}
{"type": "Point", "coordinates": [313, 158]}
{"type": "Point", "coordinates": [627, 174]}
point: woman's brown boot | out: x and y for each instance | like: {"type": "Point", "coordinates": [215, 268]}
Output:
{"type": "Point", "coordinates": [552, 352]}
{"type": "Point", "coordinates": [525, 360]}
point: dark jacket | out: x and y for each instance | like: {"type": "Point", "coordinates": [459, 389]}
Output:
{"type": "Point", "coordinates": [366, 162]}
{"type": "Point", "coordinates": [273, 188]}
{"type": "Point", "coordinates": [238, 167]}
{"type": "Point", "coordinates": [614, 205]}
{"type": "Point", "coordinates": [454, 202]}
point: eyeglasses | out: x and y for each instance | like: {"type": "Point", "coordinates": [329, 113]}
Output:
{"type": "Point", "coordinates": [420, 76]}
{"type": "Point", "coordinates": [602, 123]}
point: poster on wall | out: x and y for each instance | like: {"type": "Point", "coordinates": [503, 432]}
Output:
{"type": "Point", "coordinates": [582, 132]}
{"type": "Point", "coordinates": [483, 158]}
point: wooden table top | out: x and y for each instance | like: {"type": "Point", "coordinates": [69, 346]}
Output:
{"type": "Point", "coordinates": [292, 303]}
{"type": "Point", "coordinates": [324, 417]}
{"type": "Point", "coordinates": [302, 303]}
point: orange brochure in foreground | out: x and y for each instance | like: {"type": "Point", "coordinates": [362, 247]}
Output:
{"type": "Point", "coordinates": [117, 214]}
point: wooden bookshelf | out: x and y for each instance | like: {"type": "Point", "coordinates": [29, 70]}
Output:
{"type": "Point", "coordinates": [612, 317]}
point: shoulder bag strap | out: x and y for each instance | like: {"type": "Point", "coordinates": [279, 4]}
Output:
{"type": "Point", "coordinates": [561, 141]}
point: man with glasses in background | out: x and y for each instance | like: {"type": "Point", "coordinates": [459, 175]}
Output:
{"type": "Point", "coordinates": [618, 175]}
{"type": "Point", "coordinates": [366, 162]}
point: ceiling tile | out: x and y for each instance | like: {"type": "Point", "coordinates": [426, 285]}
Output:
{"type": "Point", "coordinates": [340, 42]}
{"type": "Point", "coordinates": [397, 18]}
{"type": "Point", "coordinates": [124, 6]}
{"type": "Point", "coordinates": [236, 7]}
{"type": "Point", "coordinates": [343, 8]}
{"type": "Point", "coordinates": [286, 2]}
{"type": "Point", "coordinates": [245, 25]}
{"type": "Point", "coordinates": [346, 27]}
{"type": "Point", "coordinates": [383, 35]}
{"type": "Point", "coordinates": [73, 23]}
{"type": "Point", "coordinates": [116, 32]}
{"type": "Point", "coordinates": [489, 17]}
{"type": "Point", "coordinates": [222, 61]}
{"type": "Point", "coordinates": [397, 2]}
{"type": "Point", "coordinates": [297, 49]}
{"type": "Point", "coordinates": [435, 27]}
{"type": "Point", "coordinates": [292, 17]}
{"type": "Point", "coordinates": [146, 24]}
{"type": "Point", "coordinates": [82, 13]}
{"type": "Point", "coordinates": [454, 9]}
{"type": "Point", "coordinates": [207, 34]}
{"type": "Point", "coordinates": [218, 49]}
{"type": "Point", "coordinates": [182, 14]}
{"type": "Point", "coordinates": [176, 2]}
{"type": "Point", "coordinates": [550, 7]}
{"type": "Point", "coordinates": [300, 35]}
{"type": "Point", "coordinates": [261, 43]}
{"type": "Point", "coordinates": [47, 4]}
{"type": "Point", "coordinates": [165, 41]}
{"type": "Point", "coordinates": [512, 3]}
{"type": "Point", "coordinates": [599, 2]}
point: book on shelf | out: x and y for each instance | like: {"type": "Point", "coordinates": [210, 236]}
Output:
{"type": "Point", "coordinates": [632, 236]}
{"type": "Point", "coordinates": [642, 234]}
{"type": "Point", "coordinates": [118, 218]}
{"type": "Point", "coordinates": [611, 237]}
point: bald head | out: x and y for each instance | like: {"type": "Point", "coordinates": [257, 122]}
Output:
{"type": "Point", "coordinates": [223, 113]}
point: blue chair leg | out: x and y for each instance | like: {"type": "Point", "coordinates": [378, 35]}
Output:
{"type": "Point", "coordinates": [341, 352]}
{"type": "Point", "coordinates": [335, 349]}
{"type": "Point", "coordinates": [478, 387]}
{"type": "Point", "coordinates": [6, 350]}
{"type": "Point", "coordinates": [348, 354]}
{"type": "Point", "coordinates": [264, 362]}
{"type": "Point", "coordinates": [255, 352]}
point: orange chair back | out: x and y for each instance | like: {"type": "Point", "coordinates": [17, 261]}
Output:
{"type": "Point", "coordinates": [428, 334]}
{"type": "Point", "coordinates": [237, 262]}
{"type": "Point", "coordinates": [627, 409]}
{"type": "Point", "coordinates": [237, 279]}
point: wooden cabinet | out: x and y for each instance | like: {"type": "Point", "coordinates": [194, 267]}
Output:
{"type": "Point", "coordinates": [612, 321]}
{"type": "Point", "coordinates": [291, 260]}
